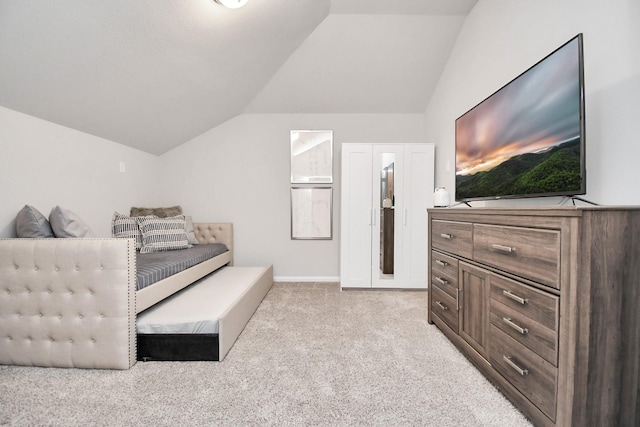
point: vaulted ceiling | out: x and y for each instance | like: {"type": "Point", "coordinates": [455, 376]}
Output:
{"type": "Point", "coordinates": [153, 74]}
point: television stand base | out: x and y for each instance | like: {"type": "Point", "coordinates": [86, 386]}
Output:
{"type": "Point", "coordinates": [574, 198]}
{"type": "Point", "coordinates": [458, 204]}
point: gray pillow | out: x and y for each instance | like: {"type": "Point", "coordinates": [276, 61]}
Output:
{"type": "Point", "coordinates": [191, 233]}
{"type": "Point", "coordinates": [30, 223]}
{"type": "Point", "coordinates": [67, 224]}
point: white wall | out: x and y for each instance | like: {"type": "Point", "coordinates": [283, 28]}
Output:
{"type": "Point", "coordinates": [44, 165]}
{"type": "Point", "coordinates": [502, 38]}
{"type": "Point", "coordinates": [240, 172]}
{"type": "Point", "coordinates": [237, 172]}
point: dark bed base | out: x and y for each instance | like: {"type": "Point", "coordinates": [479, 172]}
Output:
{"type": "Point", "coordinates": [178, 347]}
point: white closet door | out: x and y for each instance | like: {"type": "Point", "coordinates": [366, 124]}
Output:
{"type": "Point", "coordinates": [356, 217]}
{"type": "Point", "coordinates": [385, 156]}
{"type": "Point", "coordinates": [418, 196]}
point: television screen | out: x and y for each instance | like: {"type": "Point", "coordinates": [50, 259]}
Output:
{"type": "Point", "coordinates": [527, 139]}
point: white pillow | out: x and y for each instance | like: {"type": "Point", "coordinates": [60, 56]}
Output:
{"type": "Point", "coordinates": [67, 224]}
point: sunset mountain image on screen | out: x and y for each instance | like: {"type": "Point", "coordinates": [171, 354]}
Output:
{"type": "Point", "coordinates": [527, 139]}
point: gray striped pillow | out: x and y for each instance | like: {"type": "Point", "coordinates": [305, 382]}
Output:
{"type": "Point", "coordinates": [125, 227]}
{"type": "Point", "coordinates": [163, 234]}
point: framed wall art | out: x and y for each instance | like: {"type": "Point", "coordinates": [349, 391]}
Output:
{"type": "Point", "coordinates": [311, 213]}
{"type": "Point", "coordinates": [311, 157]}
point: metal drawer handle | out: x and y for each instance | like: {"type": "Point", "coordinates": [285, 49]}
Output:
{"type": "Point", "coordinates": [502, 248]}
{"type": "Point", "coordinates": [441, 263]}
{"type": "Point", "coordinates": [446, 236]}
{"type": "Point", "coordinates": [514, 326]}
{"type": "Point", "coordinates": [442, 306]}
{"type": "Point", "coordinates": [441, 280]}
{"type": "Point", "coordinates": [514, 297]}
{"type": "Point", "coordinates": [518, 369]}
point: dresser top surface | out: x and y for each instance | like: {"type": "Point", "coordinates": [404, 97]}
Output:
{"type": "Point", "coordinates": [570, 211]}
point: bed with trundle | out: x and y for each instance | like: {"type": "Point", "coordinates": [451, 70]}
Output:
{"type": "Point", "coordinates": [75, 302]}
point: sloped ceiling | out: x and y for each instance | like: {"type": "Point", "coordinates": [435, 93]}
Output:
{"type": "Point", "coordinates": [153, 74]}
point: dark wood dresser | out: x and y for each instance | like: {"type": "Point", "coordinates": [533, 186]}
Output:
{"type": "Point", "coordinates": [545, 302]}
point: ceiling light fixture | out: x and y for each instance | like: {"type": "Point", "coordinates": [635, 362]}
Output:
{"type": "Point", "coordinates": [232, 4]}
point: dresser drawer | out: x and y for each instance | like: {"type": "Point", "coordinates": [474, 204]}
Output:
{"type": "Point", "coordinates": [528, 252]}
{"type": "Point", "coordinates": [445, 307]}
{"type": "Point", "coordinates": [539, 306]}
{"type": "Point", "coordinates": [535, 336]}
{"type": "Point", "coordinates": [444, 272]}
{"type": "Point", "coordinates": [533, 376]}
{"type": "Point", "coordinates": [453, 237]}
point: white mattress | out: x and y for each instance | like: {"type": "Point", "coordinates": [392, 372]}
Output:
{"type": "Point", "coordinates": [197, 308]}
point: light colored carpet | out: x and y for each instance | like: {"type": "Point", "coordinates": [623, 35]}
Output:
{"type": "Point", "coordinates": [311, 355]}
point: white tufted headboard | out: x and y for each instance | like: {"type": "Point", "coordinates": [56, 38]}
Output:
{"type": "Point", "coordinates": [68, 302]}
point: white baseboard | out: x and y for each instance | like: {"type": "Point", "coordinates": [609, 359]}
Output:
{"type": "Point", "coordinates": [306, 279]}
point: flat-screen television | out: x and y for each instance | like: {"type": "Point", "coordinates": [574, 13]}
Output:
{"type": "Point", "coordinates": [527, 139]}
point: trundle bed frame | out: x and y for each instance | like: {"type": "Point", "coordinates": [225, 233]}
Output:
{"type": "Point", "coordinates": [73, 302]}
{"type": "Point", "coordinates": [203, 321]}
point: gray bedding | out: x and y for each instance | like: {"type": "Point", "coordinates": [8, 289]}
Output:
{"type": "Point", "coordinates": [156, 266]}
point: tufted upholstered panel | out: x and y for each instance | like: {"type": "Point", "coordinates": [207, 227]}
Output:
{"type": "Point", "coordinates": [215, 232]}
{"type": "Point", "coordinates": [68, 302]}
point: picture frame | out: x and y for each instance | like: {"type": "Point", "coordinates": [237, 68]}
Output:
{"type": "Point", "coordinates": [311, 213]}
{"type": "Point", "coordinates": [311, 156]}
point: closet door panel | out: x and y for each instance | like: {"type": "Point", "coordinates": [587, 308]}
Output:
{"type": "Point", "coordinates": [357, 214]}
{"type": "Point", "coordinates": [387, 185]}
{"type": "Point", "coordinates": [418, 196]}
